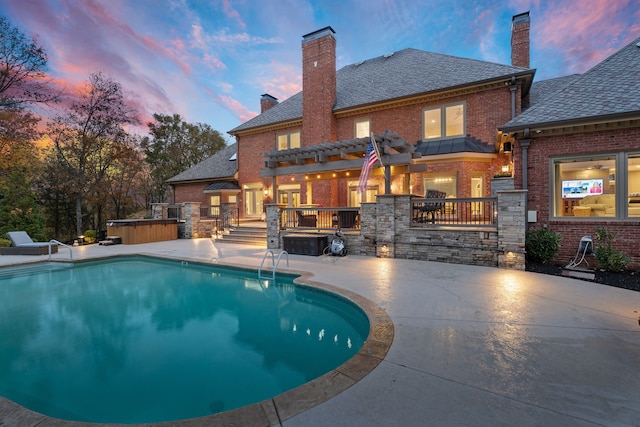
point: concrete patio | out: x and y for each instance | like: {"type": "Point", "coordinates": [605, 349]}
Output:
{"type": "Point", "coordinates": [473, 346]}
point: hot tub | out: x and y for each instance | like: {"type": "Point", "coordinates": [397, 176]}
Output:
{"type": "Point", "coordinates": [132, 231]}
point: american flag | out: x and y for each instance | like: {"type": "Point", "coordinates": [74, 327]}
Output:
{"type": "Point", "coordinates": [370, 159]}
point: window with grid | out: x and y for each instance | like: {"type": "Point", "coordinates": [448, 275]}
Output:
{"type": "Point", "coordinates": [290, 140]}
{"type": "Point", "coordinates": [444, 122]}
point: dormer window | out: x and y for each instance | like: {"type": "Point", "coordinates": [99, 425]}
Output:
{"type": "Point", "coordinates": [446, 121]}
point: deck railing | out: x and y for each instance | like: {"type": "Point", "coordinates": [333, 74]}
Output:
{"type": "Point", "coordinates": [480, 211]}
{"type": "Point", "coordinates": [317, 218]}
{"type": "Point", "coordinates": [174, 212]}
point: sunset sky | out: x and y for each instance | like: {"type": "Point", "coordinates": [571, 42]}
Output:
{"type": "Point", "coordinates": [210, 61]}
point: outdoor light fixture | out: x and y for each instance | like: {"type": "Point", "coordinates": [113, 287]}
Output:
{"type": "Point", "coordinates": [266, 191]}
{"type": "Point", "coordinates": [506, 147]}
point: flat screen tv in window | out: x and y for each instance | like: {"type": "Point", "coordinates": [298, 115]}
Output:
{"type": "Point", "coordinates": [582, 187]}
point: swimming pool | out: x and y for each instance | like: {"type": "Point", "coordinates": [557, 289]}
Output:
{"type": "Point", "coordinates": [138, 339]}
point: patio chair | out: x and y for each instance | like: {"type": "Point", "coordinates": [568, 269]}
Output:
{"type": "Point", "coordinates": [306, 220]}
{"type": "Point", "coordinates": [430, 208]}
{"type": "Point", "coordinates": [24, 245]}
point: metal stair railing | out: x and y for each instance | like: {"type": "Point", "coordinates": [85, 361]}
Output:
{"type": "Point", "coordinates": [52, 241]}
{"type": "Point", "coordinates": [274, 263]}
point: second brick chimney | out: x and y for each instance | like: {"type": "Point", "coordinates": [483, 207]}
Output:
{"type": "Point", "coordinates": [318, 87]}
{"type": "Point", "coordinates": [520, 40]}
{"type": "Point", "coordinates": [267, 101]}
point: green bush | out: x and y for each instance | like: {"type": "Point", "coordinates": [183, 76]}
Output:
{"type": "Point", "coordinates": [608, 258]}
{"type": "Point", "coordinates": [90, 236]}
{"type": "Point", "coordinates": [5, 243]}
{"type": "Point", "coordinates": [541, 244]}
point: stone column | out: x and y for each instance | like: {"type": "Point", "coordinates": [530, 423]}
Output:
{"type": "Point", "coordinates": [191, 219]}
{"type": "Point", "coordinates": [385, 226]}
{"type": "Point", "coordinates": [159, 210]}
{"type": "Point", "coordinates": [273, 226]}
{"type": "Point", "coordinates": [512, 225]}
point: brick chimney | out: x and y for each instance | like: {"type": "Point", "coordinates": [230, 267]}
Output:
{"type": "Point", "coordinates": [267, 101]}
{"type": "Point", "coordinates": [520, 40]}
{"type": "Point", "coordinates": [318, 87]}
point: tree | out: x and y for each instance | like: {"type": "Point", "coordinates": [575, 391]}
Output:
{"type": "Point", "coordinates": [18, 131]}
{"type": "Point", "coordinates": [176, 145]}
{"type": "Point", "coordinates": [18, 207]}
{"type": "Point", "coordinates": [90, 137]}
{"type": "Point", "coordinates": [23, 64]}
{"type": "Point", "coordinates": [123, 181]}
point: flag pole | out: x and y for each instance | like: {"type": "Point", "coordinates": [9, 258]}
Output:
{"type": "Point", "coordinates": [375, 147]}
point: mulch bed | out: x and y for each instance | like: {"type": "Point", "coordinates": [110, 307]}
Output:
{"type": "Point", "coordinates": [626, 279]}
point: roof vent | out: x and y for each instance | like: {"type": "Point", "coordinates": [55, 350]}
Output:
{"type": "Point", "coordinates": [388, 55]}
{"type": "Point", "coordinates": [357, 64]}
{"type": "Point", "coordinates": [638, 44]}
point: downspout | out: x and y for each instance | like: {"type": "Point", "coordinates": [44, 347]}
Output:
{"type": "Point", "coordinates": [525, 142]}
{"type": "Point", "coordinates": [513, 88]}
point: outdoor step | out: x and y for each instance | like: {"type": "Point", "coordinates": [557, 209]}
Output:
{"type": "Point", "coordinates": [246, 235]}
{"type": "Point", "coordinates": [244, 241]}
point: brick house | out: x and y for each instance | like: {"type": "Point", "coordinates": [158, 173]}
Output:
{"type": "Point", "coordinates": [577, 152]}
{"type": "Point", "coordinates": [212, 183]}
{"type": "Point", "coordinates": [435, 118]}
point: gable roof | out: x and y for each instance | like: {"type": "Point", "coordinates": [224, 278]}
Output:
{"type": "Point", "coordinates": [608, 90]}
{"type": "Point", "coordinates": [218, 166]}
{"type": "Point", "coordinates": [408, 72]}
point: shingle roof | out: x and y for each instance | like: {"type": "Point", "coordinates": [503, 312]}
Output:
{"type": "Point", "coordinates": [213, 167]}
{"type": "Point", "coordinates": [222, 185]}
{"type": "Point", "coordinates": [454, 145]}
{"type": "Point", "coordinates": [609, 88]}
{"type": "Point", "coordinates": [401, 74]}
{"type": "Point", "coordinates": [544, 89]}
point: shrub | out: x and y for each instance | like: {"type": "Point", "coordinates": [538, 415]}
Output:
{"type": "Point", "coordinates": [5, 243]}
{"type": "Point", "coordinates": [90, 236]}
{"type": "Point", "coordinates": [608, 258]}
{"type": "Point", "coordinates": [541, 244]}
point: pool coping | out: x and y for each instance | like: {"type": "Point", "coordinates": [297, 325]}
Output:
{"type": "Point", "coordinates": [272, 411]}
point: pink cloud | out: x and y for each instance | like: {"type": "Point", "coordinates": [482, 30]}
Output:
{"type": "Point", "coordinates": [582, 33]}
{"type": "Point", "coordinates": [232, 13]}
{"type": "Point", "coordinates": [235, 107]}
{"type": "Point", "coordinates": [213, 63]}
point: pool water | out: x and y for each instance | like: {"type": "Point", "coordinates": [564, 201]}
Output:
{"type": "Point", "coordinates": [145, 340]}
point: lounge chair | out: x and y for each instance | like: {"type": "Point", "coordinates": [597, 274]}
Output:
{"type": "Point", "coordinates": [22, 244]}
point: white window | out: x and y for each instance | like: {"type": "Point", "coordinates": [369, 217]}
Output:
{"type": "Point", "coordinates": [362, 128]}
{"type": "Point", "coordinates": [287, 141]}
{"type": "Point", "coordinates": [444, 122]}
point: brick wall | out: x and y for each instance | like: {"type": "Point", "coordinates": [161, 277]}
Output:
{"type": "Point", "coordinates": [541, 151]}
{"type": "Point", "coordinates": [191, 193]}
{"type": "Point", "coordinates": [485, 111]}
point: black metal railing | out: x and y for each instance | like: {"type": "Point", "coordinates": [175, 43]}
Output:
{"type": "Point", "coordinates": [481, 211]}
{"type": "Point", "coordinates": [174, 212]}
{"type": "Point", "coordinates": [320, 218]}
{"type": "Point", "coordinates": [209, 212]}
{"type": "Point", "coordinates": [230, 218]}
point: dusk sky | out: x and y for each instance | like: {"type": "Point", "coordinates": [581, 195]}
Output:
{"type": "Point", "coordinates": [210, 61]}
